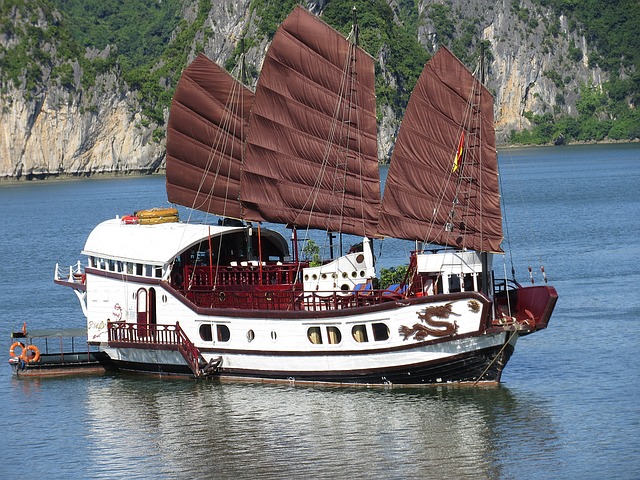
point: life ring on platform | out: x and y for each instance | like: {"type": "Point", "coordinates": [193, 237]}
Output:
{"type": "Point", "coordinates": [27, 357]}
{"type": "Point", "coordinates": [222, 296]}
{"type": "Point", "coordinates": [12, 349]}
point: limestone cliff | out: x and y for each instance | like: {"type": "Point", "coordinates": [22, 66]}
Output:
{"type": "Point", "coordinates": [66, 130]}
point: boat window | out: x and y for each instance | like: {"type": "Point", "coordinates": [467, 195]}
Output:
{"type": "Point", "coordinates": [359, 333]}
{"type": "Point", "coordinates": [223, 333]}
{"type": "Point", "coordinates": [130, 268]}
{"type": "Point", "coordinates": [138, 269]}
{"type": "Point", "coordinates": [380, 332]}
{"type": "Point", "coordinates": [205, 332]}
{"type": "Point", "coordinates": [250, 335]}
{"type": "Point", "coordinates": [468, 282]}
{"type": "Point", "coordinates": [158, 271]}
{"type": "Point", "coordinates": [454, 283]}
{"type": "Point", "coordinates": [333, 335]}
{"type": "Point", "coordinates": [148, 269]}
{"type": "Point", "coordinates": [274, 335]}
{"type": "Point", "coordinates": [314, 335]}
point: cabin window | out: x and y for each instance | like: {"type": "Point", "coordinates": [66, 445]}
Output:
{"type": "Point", "coordinates": [359, 333]}
{"type": "Point", "coordinates": [314, 335]}
{"type": "Point", "coordinates": [205, 332]}
{"type": "Point", "coordinates": [138, 269]}
{"type": "Point", "coordinates": [468, 282]}
{"type": "Point", "coordinates": [250, 336]}
{"type": "Point", "coordinates": [454, 283]}
{"type": "Point", "coordinates": [130, 268]}
{"type": "Point", "coordinates": [223, 333]}
{"type": "Point", "coordinates": [148, 270]}
{"type": "Point", "coordinates": [274, 335]}
{"type": "Point", "coordinates": [333, 335]}
{"type": "Point", "coordinates": [380, 332]}
{"type": "Point", "coordinates": [158, 271]}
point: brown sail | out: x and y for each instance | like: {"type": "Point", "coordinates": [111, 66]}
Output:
{"type": "Point", "coordinates": [442, 186]}
{"type": "Point", "coordinates": [205, 139]}
{"type": "Point", "coordinates": [311, 156]}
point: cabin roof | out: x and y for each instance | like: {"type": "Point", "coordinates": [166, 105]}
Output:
{"type": "Point", "coordinates": [150, 244]}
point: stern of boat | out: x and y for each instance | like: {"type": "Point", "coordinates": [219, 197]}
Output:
{"type": "Point", "coordinates": [531, 307]}
{"type": "Point", "coordinates": [75, 278]}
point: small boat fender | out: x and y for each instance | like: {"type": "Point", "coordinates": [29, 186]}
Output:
{"type": "Point", "coordinates": [12, 350]}
{"type": "Point", "coordinates": [29, 357]}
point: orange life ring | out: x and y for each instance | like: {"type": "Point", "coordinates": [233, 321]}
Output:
{"type": "Point", "coordinates": [12, 352]}
{"type": "Point", "coordinates": [27, 357]}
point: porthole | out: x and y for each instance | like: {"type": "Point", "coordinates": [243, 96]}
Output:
{"type": "Point", "coordinates": [380, 332]}
{"type": "Point", "coordinates": [345, 274]}
{"type": "Point", "coordinates": [314, 335]}
{"type": "Point", "coordinates": [314, 276]}
{"type": "Point", "coordinates": [354, 274]}
{"type": "Point", "coordinates": [306, 277]}
{"type": "Point", "coordinates": [333, 335]}
{"type": "Point", "coordinates": [359, 333]}
{"type": "Point", "coordinates": [223, 333]}
{"type": "Point", "coordinates": [360, 258]}
{"type": "Point", "coordinates": [324, 276]}
{"type": "Point", "coordinates": [205, 332]}
{"type": "Point", "coordinates": [361, 273]}
{"type": "Point", "coordinates": [344, 287]}
{"type": "Point", "coordinates": [250, 335]}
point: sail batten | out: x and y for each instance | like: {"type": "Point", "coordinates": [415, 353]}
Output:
{"type": "Point", "coordinates": [205, 139]}
{"type": "Point", "coordinates": [442, 186]}
{"type": "Point", "coordinates": [311, 152]}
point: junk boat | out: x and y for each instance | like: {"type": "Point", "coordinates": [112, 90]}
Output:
{"type": "Point", "coordinates": [55, 352]}
{"type": "Point", "coordinates": [229, 299]}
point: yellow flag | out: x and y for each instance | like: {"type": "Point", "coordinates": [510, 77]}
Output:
{"type": "Point", "coordinates": [456, 161]}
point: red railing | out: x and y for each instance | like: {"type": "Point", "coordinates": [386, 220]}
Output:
{"type": "Point", "coordinates": [155, 336]}
{"type": "Point", "coordinates": [239, 275]}
{"type": "Point", "coordinates": [264, 299]}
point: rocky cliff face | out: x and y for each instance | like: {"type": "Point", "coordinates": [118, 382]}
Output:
{"type": "Point", "coordinates": [70, 132]}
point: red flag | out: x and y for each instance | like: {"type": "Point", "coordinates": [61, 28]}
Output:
{"type": "Point", "coordinates": [456, 161]}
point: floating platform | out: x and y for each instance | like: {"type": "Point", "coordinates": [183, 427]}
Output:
{"type": "Point", "coordinates": [55, 352]}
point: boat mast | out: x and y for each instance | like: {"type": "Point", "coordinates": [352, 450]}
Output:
{"type": "Point", "coordinates": [484, 256]}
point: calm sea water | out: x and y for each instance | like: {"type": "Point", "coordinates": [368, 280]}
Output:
{"type": "Point", "coordinates": [569, 406]}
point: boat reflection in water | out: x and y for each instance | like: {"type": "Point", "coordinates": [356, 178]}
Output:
{"type": "Point", "coordinates": [209, 430]}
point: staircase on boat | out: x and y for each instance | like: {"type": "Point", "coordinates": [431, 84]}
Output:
{"type": "Point", "coordinates": [162, 337]}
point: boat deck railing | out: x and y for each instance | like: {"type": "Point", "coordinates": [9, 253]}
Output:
{"type": "Point", "coordinates": [167, 337]}
{"type": "Point", "coordinates": [73, 275]}
{"type": "Point", "coordinates": [242, 274]}
{"type": "Point", "coordinates": [271, 299]}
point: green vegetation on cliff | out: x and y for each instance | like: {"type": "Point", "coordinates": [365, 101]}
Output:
{"type": "Point", "coordinates": [146, 43]}
{"type": "Point", "coordinates": [610, 112]}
